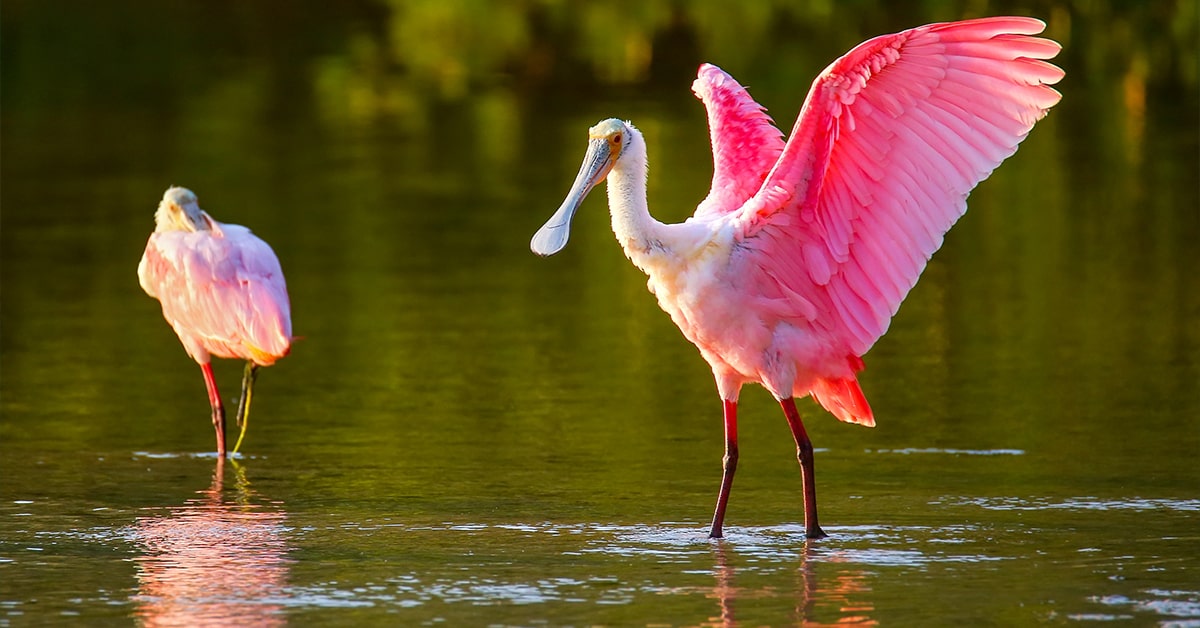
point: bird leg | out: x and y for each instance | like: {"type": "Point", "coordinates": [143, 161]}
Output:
{"type": "Point", "coordinates": [243, 412]}
{"type": "Point", "coordinates": [804, 452]}
{"type": "Point", "coordinates": [218, 410]}
{"type": "Point", "coordinates": [729, 466]}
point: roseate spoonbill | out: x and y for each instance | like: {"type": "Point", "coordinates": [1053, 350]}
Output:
{"type": "Point", "coordinates": [794, 264]}
{"type": "Point", "coordinates": [222, 290]}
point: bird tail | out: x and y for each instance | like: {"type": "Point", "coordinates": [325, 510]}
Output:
{"type": "Point", "coordinates": [844, 398]}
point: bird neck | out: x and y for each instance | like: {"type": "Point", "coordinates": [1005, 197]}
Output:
{"type": "Point", "coordinates": [637, 231]}
{"type": "Point", "coordinates": [184, 219]}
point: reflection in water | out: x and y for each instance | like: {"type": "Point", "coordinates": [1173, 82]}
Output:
{"type": "Point", "coordinates": [213, 559]}
{"type": "Point", "coordinates": [842, 601]}
{"type": "Point", "coordinates": [845, 593]}
{"type": "Point", "coordinates": [724, 590]}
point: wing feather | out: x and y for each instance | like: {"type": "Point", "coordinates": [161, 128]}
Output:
{"type": "Point", "coordinates": [745, 142]}
{"type": "Point", "coordinates": [890, 141]}
{"type": "Point", "coordinates": [224, 294]}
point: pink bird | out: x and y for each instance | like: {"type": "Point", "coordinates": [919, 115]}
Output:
{"type": "Point", "coordinates": [222, 289]}
{"type": "Point", "coordinates": [795, 263]}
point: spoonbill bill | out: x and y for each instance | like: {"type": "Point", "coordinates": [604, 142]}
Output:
{"type": "Point", "coordinates": [794, 264]}
{"type": "Point", "coordinates": [222, 290]}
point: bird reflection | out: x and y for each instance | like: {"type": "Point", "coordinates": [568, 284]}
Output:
{"type": "Point", "coordinates": [724, 591]}
{"type": "Point", "coordinates": [213, 560]}
{"type": "Point", "coordinates": [844, 601]}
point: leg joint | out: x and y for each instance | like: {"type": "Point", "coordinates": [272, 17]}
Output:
{"type": "Point", "coordinates": [804, 453]}
{"type": "Point", "coordinates": [729, 462]}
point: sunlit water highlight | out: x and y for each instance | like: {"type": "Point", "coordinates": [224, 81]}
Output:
{"type": "Point", "coordinates": [231, 556]}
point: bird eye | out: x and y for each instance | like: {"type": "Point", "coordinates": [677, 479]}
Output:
{"type": "Point", "coordinates": [617, 138]}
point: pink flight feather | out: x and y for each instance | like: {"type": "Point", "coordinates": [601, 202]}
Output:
{"type": "Point", "coordinates": [891, 139]}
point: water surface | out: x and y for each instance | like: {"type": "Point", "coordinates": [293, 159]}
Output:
{"type": "Point", "coordinates": [468, 434]}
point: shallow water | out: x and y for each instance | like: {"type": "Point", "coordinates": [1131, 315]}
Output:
{"type": "Point", "coordinates": [467, 434]}
{"type": "Point", "coordinates": [232, 550]}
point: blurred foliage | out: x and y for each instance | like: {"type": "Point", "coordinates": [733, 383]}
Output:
{"type": "Point", "coordinates": [381, 57]}
{"type": "Point", "coordinates": [431, 52]}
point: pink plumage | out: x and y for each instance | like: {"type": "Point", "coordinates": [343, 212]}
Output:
{"type": "Point", "coordinates": [222, 290]}
{"type": "Point", "coordinates": [794, 264]}
{"type": "Point", "coordinates": [891, 139]}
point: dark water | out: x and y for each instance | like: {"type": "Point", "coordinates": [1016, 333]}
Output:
{"type": "Point", "coordinates": [470, 435]}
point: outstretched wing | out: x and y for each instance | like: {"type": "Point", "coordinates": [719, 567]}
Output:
{"type": "Point", "coordinates": [223, 293]}
{"type": "Point", "coordinates": [891, 139]}
{"type": "Point", "coordinates": [745, 142]}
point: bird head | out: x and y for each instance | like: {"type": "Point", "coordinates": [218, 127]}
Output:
{"type": "Point", "coordinates": [179, 210]}
{"type": "Point", "coordinates": [607, 142]}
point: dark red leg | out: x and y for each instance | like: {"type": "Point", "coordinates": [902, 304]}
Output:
{"type": "Point", "coordinates": [218, 410]}
{"type": "Point", "coordinates": [729, 464]}
{"type": "Point", "coordinates": [804, 452]}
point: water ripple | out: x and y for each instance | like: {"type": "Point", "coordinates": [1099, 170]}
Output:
{"type": "Point", "coordinates": [1136, 504]}
{"type": "Point", "coordinates": [1175, 604]}
{"type": "Point", "coordinates": [779, 547]}
{"type": "Point", "coordinates": [191, 455]}
{"type": "Point", "coordinates": [953, 452]}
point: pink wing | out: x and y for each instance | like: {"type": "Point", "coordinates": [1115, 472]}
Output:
{"type": "Point", "coordinates": [745, 143]}
{"type": "Point", "coordinates": [223, 292]}
{"type": "Point", "coordinates": [891, 139]}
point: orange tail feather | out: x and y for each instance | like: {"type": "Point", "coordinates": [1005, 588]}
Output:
{"type": "Point", "coordinates": [845, 400]}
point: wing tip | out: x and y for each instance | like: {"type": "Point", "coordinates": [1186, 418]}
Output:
{"type": "Point", "coordinates": [708, 75]}
{"type": "Point", "coordinates": [1012, 24]}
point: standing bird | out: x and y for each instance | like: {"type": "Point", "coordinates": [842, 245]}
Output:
{"type": "Point", "coordinates": [222, 290]}
{"type": "Point", "coordinates": [794, 264]}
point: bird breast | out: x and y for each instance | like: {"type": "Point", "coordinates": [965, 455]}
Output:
{"type": "Point", "coordinates": [740, 318]}
{"type": "Point", "coordinates": [696, 282]}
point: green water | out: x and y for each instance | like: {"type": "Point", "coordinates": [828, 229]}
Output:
{"type": "Point", "coordinates": [470, 435]}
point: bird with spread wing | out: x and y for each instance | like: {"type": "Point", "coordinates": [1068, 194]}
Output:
{"type": "Point", "coordinates": [795, 263]}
